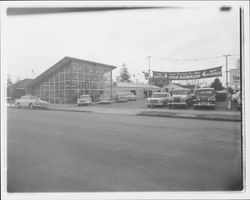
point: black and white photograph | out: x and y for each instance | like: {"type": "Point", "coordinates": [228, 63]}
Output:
{"type": "Point", "coordinates": [124, 99]}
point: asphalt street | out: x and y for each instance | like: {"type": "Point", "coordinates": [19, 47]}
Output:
{"type": "Point", "coordinates": [51, 151]}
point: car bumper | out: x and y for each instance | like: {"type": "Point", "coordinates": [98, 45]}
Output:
{"type": "Point", "coordinates": [104, 102]}
{"type": "Point", "coordinates": [204, 104]}
{"type": "Point", "coordinates": [155, 104]}
{"type": "Point", "coordinates": [177, 103]}
{"type": "Point", "coordinates": [83, 103]}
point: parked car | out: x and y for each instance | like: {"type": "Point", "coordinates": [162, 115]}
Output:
{"type": "Point", "coordinates": [105, 99]}
{"type": "Point", "coordinates": [236, 96]}
{"type": "Point", "coordinates": [239, 103]}
{"type": "Point", "coordinates": [121, 98]}
{"type": "Point", "coordinates": [131, 97]}
{"type": "Point", "coordinates": [158, 99]}
{"type": "Point", "coordinates": [84, 100]}
{"type": "Point", "coordinates": [204, 97]}
{"type": "Point", "coordinates": [181, 97]}
{"type": "Point", "coordinates": [31, 102]}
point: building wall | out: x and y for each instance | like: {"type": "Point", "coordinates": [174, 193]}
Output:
{"type": "Point", "coordinates": [235, 78]}
{"type": "Point", "coordinates": [140, 92]}
{"type": "Point", "coordinates": [73, 80]}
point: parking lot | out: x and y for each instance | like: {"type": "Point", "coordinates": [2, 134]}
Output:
{"type": "Point", "coordinates": [141, 103]}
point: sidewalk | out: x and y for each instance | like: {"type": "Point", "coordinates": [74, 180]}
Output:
{"type": "Point", "coordinates": [155, 112]}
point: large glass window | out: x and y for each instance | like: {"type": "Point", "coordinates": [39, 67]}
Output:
{"type": "Point", "coordinates": [66, 85]}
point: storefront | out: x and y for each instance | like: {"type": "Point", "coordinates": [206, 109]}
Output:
{"type": "Point", "coordinates": [65, 81]}
{"type": "Point", "coordinates": [235, 78]}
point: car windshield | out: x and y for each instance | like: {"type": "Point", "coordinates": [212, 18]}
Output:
{"type": "Point", "coordinates": [30, 97]}
{"type": "Point", "coordinates": [204, 92]}
{"type": "Point", "coordinates": [159, 95]}
{"type": "Point", "coordinates": [179, 92]}
{"type": "Point", "coordinates": [104, 96]}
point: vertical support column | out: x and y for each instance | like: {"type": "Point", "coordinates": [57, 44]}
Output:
{"type": "Point", "coordinates": [111, 81]}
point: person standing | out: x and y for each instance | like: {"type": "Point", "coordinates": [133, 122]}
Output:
{"type": "Point", "coordinates": [229, 101]}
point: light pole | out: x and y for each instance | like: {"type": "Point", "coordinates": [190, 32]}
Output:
{"type": "Point", "coordinates": [227, 55]}
{"type": "Point", "coordinates": [149, 76]}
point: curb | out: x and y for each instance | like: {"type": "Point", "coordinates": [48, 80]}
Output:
{"type": "Point", "coordinates": [163, 114]}
{"type": "Point", "coordinates": [200, 117]}
{"type": "Point", "coordinates": [66, 110]}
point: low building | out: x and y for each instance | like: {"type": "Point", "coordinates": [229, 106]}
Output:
{"type": "Point", "coordinates": [65, 81]}
{"type": "Point", "coordinates": [18, 89]}
{"type": "Point", "coordinates": [170, 87]}
{"type": "Point", "coordinates": [235, 78]}
{"type": "Point", "coordinates": [140, 90]}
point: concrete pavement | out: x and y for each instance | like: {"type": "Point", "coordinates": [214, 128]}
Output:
{"type": "Point", "coordinates": [156, 112]}
{"type": "Point", "coordinates": [51, 151]}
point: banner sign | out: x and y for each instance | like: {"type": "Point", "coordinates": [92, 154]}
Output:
{"type": "Point", "coordinates": [207, 73]}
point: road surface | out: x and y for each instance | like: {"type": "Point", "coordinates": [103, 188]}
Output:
{"type": "Point", "coordinates": [55, 151]}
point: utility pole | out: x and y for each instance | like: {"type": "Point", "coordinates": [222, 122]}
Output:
{"type": "Point", "coordinates": [149, 76]}
{"type": "Point", "coordinates": [227, 55]}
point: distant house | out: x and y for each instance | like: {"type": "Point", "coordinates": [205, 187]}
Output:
{"type": "Point", "coordinates": [140, 90]}
{"type": "Point", "coordinates": [170, 87]}
{"type": "Point", "coordinates": [19, 89]}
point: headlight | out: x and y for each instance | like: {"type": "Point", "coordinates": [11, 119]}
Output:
{"type": "Point", "coordinates": [211, 99]}
{"type": "Point", "coordinates": [183, 99]}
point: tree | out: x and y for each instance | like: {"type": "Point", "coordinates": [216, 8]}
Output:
{"type": "Point", "coordinates": [9, 81]}
{"type": "Point", "coordinates": [217, 85]}
{"type": "Point", "coordinates": [125, 76]}
{"type": "Point", "coordinates": [159, 82]}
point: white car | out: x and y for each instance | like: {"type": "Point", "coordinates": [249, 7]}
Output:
{"type": "Point", "coordinates": [158, 99]}
{"type": "Point", "coordinates": [84, 100]}
{"type": "Point", "coordinates": [31, 102]}
{"type": "Point", "coordinates": [105, 99]}
{"type": "Point", "coordinates": [131, 97]}
{"type": "Point", "coordinates": [121, 98]}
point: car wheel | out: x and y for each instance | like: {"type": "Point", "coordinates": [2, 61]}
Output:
{"type": "Point", "coordinates": [19, 106]}
{"type": "Point", "coordinates": [31, 106]}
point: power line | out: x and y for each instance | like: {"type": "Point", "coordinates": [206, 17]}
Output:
{"type": "Point", "coordinates": [191, 59]}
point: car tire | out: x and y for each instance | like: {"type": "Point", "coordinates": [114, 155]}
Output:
{"type": "Point", "coordinates": [19, 106]}
{"type": "Point", "coordinates": [31, 106]}
{"type": "Point", "coordinates": [149, 106]}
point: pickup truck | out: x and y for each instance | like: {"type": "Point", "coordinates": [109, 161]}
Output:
{"type": "Point", "coordinates": [158, 99]}
{"type": "Point", "coordinates": [31, 102]}
{"type": "Point", "coordinates": [181, 97]}
{"type": "Point", "coordinates": [204, 97]}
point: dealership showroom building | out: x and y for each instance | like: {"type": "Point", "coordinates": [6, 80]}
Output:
{"type": "Point", "coordinates": [65, 81]}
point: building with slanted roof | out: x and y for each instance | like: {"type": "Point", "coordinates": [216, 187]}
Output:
{"type": "Point", "coordinates": [69, 78]}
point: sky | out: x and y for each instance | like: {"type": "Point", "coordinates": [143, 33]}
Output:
{"type": "Point", "coordinates": [36, 42]}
